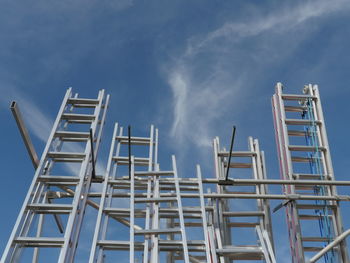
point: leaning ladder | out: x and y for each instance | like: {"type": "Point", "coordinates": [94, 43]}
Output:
{"type": "Point", "coordinates": [69, 143]}
{"type": "Point", "coordinates": [304, 155]}
{"type": "Point", "coordinates": [230, 233]}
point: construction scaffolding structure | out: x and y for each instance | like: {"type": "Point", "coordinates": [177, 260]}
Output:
{"type": "Point", "coordinates": [149, 215]}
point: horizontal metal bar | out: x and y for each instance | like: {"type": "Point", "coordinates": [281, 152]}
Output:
{"type": "Point", "coordinates": [332, 244]}
{"type": "Point", "coordinates": [239, 196]}
{"type": "Point", "coordinates": [281, 182]}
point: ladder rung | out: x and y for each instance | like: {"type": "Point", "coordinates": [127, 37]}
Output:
{"type": "Point", "coordinates": [312, 217]}
{"type": "Point", "coordinates": [314, 206]}
{"type": "Point", "coordinates": [295, 108]}
{"type": "Point", "coordinates": [66, 155]}
{"type": "Point", "coordinates": [39, 241]}
{"type": "Point", "coordinates": [297, 97]}
{"type": "Point", "coordinates": [311, 176]}
{"type": "Point", "coordinates": [59, 179]}
{"type": "Point", "coordinates": [239, 165]}
{"type": "Point", "coordinates": [119, 245]}
{"type": "Point", "coordinates": [237, 154]}
{"type": "Point", "coordinates": [179, 242]}
{"type": "Point", "coordinates": [312, 249]}
{"type": "Point", "coordinates": [301, 122]}
{"type": "Point", "coordinates": [72, 136]}
{"type": "Point", "coordinates": [316, 239]}
{"type": "Point", "coordinates": [237, 252]}
{"type": "Point", "coordinates": [154, 173]}
{"type": "Point", "coordinates": [243, 214]}
{"type": "Point", "coordinates": [157, 231]}
{"type": "Point", "coordinates": [123, 212]}
{"type": "Point", "coordinates": [50, 208]}
{"type": "Point", "coordinates": [78, 118]}
{"type": "Point", "coordinates": [155, 200]}
{"type": "Point", "coordinates": [137, 161]}
{"type": "Point", "coordinates": [304, 148]}
{"type": "Point", "coordinates": [243, 224]}
{"type": "Point", "coordinates": [134, 140]}
{"type": "Point", "coordinates": [182, 188]}
{"type": "Point", "coordinates": [83, 101]}
{"type": "Point", "coordinates": [300, 159]}
{"type": "Point", "coordinates": [298, 133]}
{"type": "Point", "coordinates": [304, 187]}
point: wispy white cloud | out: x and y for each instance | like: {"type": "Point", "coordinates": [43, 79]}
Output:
{"type": "Point", "coordinates": [217, 70]}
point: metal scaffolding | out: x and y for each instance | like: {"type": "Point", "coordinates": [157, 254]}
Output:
{"type": "Point", "coordinates": [149, 215]}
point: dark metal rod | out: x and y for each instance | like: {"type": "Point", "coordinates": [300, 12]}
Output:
{"type": "Point", "coordinates": [231, 147]}
{"type": "Point", "coordinates": [57, 219]}
{"type": "Point", "coordinates": [129, 147]}
{"type": "Point", "coordinates": [92, 154]}
{"type": "Point", "coordinates": [24, 133]}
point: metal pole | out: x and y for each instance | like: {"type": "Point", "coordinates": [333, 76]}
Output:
{"type": "Point", "coordinates": [231, 146]}
{"type": "Point", "coordinates": [24, 133]}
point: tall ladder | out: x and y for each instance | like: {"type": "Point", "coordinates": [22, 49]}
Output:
{"type": "Point", "coordinates": [242, 227]}
{"type": "Point", "coordinates": [304, 155]}
{"type": "Point", "coordinates": [141, 216]}
{"type": "Point", "coordinates": [196, 211]}
{"type": "Point", "coordinates": [51, 216]}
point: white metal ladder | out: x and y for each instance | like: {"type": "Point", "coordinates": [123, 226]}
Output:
{"type": "Point", "coordinates": [60, 196]}
{"type": "Point", "coordinates": [304, 155]}
{"type": "Point", "coordinates": [253, 216]}
{"type": "Point", "coordinates": [142, 190]}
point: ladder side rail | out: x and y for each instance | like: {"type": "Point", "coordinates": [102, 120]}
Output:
{"type": "Point", "coordinates": [255, 171]}
{"type": "Point", "coordinates": [261, 169]}
{"type": "Point", "coordinates": [263, 245]}
{"type": "Point", "coordinates": [269, 246]}
{"type": "Point", "coordinates": [212, 247]}
{"type": "Point", "coordinates": [132, 212]}
{"type": "Point", "coordinates": [204, 215]}
{"type": "Point", "coordinates": [38, 233]}
{"type": "Point", "coordinates": [103, 197]}
{"type": "Point", "coordinates": [181, 216]}
{"type": "Point", "coordinates": [220, 203]}
{"type": "Point", "coordinates": [109, 193]}
{"type": "Point", "coordinates": [155, 219]}
{"type": "Point", "coordinates": [298, 247]}
{"type": "Point", "coordinates": [278, 123]}
{"type": "Point", "coordinates": [47, 168]}
{"type": "Point", "coordinates": [99, 110]}
{"type": "Point", "coordinates": [14, 232]}
{"type": "Point", "coordinates": [330, 172]}
{"type": "Point", "coordinates": [213, 222]}
{"type": "Point", "coordinates": [268, 220]}
{"type": "Point", "coordinates": [77, 201]}
{"type": "Point", "coordinates": [149, 189]}
{"type": "Point", "coordinates": [155, 224]}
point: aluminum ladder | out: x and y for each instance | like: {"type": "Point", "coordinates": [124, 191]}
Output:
{"type": "Point", "coordinates": [304, 154]}
{"type": "Point", "coordinates": [134, 201]}
{"type": "Point", "coordinates": [56, 192]}
{"type": "Point", "coordinates": [234, 221]}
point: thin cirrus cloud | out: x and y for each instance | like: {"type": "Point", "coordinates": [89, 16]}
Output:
{"type": "Point", "coordinates": [217, 69]}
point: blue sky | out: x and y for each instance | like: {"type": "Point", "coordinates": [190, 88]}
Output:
{"type": "Point", "coordinates": [192, 68]}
